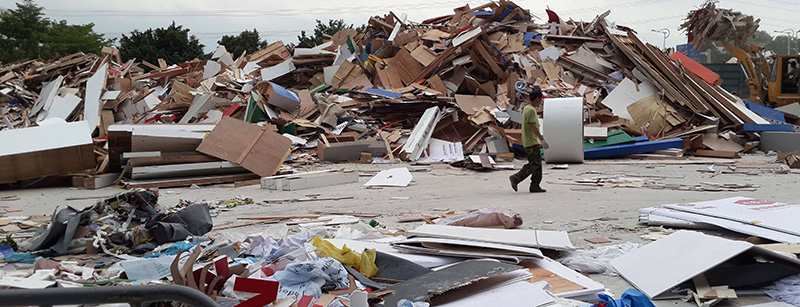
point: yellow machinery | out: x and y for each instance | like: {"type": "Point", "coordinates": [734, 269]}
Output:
{"type": "Point", "coordinates": [774, 84]}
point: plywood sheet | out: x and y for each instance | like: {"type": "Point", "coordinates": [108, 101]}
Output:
{"type": "Point", "coordinates": [255, 148]}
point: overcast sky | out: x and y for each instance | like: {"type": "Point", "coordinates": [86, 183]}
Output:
{"type": "Point", "coordinates": [283, 20]}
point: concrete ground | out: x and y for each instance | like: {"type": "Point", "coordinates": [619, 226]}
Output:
{"type": "Point", "coordinates": [583, 212]}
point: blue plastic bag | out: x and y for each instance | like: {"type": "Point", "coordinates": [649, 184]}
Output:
{"type": "Point", "coordinates": [631, 298]}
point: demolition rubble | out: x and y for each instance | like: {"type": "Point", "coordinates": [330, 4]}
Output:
{"type": "Point", "coordinates": [411, 93]}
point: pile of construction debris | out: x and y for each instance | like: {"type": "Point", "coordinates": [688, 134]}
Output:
{"type": "Point", "coordinates": [349, 259]}
{"type": "Point", "coordinates": [440, 90]}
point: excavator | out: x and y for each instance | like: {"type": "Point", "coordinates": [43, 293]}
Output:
{"type": "Point", "coordinates": [772, 79]}
{"type": "Point", "coordinates": [773, 85]}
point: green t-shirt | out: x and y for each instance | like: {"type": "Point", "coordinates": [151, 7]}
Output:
{"type": "Point", "coordinates": [529, 116]}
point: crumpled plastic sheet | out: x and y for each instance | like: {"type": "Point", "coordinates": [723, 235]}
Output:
{"type": "Point", "coordinates": [407, 303]}
{"type": "Point", "coordinates": [596, 261]}
{"type": "Point", "coordinates": [307, 278]}
{"type": "Point", "coordinates": [173, 249]}
{"type": "Point", "coordinates": [21, 258]}
{"type": "Point", "coordinates": [786, 290]}
{"type": "Point", "coordinates": [484, 218]}
{"type": "Point", "coordinates": [262, 245]}
{"type": "Point", "coordinates": [358, 231]}
{"type": "Point", "coordinates": [363, 262]}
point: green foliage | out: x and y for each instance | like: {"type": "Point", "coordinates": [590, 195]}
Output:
{"type": "Point", "coordinates": [64, 39]}
{"type": "Point", "coordinates": [247, 41]}
{"type": "Point", "coordinates": [173, 44]}
{"type": "Point", "coordinates": [321, 29]}
{"type": "Point", "coordinates": [26, 33]}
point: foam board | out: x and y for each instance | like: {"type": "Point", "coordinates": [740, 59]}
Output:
{"type": "Point", "coordinates": [562, 127]}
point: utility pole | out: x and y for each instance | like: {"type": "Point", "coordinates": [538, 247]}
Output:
{"type": "Point", "coordinates": [666, 33]}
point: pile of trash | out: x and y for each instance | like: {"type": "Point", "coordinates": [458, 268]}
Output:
{"type": "Point", "coordinates": [439, 90]}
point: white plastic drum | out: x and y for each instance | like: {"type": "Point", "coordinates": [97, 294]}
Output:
{"type": "Point", "coordinates": [562, 127]}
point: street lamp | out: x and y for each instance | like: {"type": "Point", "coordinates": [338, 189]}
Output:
{"type": "Point", "coordinates": [796, 48]}
{"type": "Point", "coordinates": [788, 38]}
{"type": "Point", "coordinates": [666, 33]}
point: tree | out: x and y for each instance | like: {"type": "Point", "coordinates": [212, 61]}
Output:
{"type": "Point", "coordinates": [21, 31]}
{"type": "Point", "coordinates": [173, 44]}
{"type": "Point", "coordinates": [26, 33]}
{"type": "Point", "coordinates": [64, 39]}
{"type": "Point", "coordinates": [247, 41]}
{"type": "Point", "coordinates": [321, 29]}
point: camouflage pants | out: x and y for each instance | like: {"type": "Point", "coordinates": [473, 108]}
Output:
{"type": "Point", "coordinates": [533, 168]}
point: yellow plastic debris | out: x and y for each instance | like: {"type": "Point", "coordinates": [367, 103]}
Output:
{"type": "Point", "coordinates": [363, 262]}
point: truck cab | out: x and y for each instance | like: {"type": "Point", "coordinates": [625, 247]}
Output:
{"type": "Point", "coordinates": [784, 83]}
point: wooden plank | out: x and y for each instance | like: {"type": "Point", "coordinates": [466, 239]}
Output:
{"type": "Point", "coordinates": [242, 224]}
{"type": "Point", "coordinates": [217, 168]}
{"type": "Point", "coordinates": [385, 138]}
{"type": "Point", "coordinates": [189, 181]}
{"type": "Point", "coordinates": [479, 45]}
{"type": "Point", "coordinates": [437, 84]}
{"type": "Point", "coordinates": [164, 160]}
{"type": "Point", "coordinates": [717, 154]}
{"type": "Point", "coordinates": [645, 68]}
{"type": "Point", "coordinates": [100, 181]}
{"type": "Point", "coordinates": [281, 217]}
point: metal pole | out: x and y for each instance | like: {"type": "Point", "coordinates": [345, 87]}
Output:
{"type": "Point", "coordinates": [666, 33]}
{"type": "Point", "coordinates": [788, 32]}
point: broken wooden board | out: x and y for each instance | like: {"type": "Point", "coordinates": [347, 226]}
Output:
{"type": "Point", "coordinates": [310, 180]}
{"type": "Point", "coordinates": [469, 103]}
{"type": "Point", "coordinates": [255, 148]}
{"type": "Point", "coordinates": [717, 154]}
{"type": "Point", "coordinates": [35, 152]}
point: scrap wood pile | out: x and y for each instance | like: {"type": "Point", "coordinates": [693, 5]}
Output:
{"type": "Point", "coordinates": [436, 90]}
{"type": "Point", "coordinates": [713, 24]}
{"type": "Point", "coordinates": [321, 259]}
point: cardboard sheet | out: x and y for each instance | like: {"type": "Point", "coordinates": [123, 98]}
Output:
{"type": "Point", "coordinates": [470, 103]}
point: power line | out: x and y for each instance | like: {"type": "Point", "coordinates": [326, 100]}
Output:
{"type": "Point", "coordinates": [243, 13]}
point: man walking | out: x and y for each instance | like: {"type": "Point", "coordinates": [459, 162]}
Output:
{"type": "Point", "coordinates": [532, 139]}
